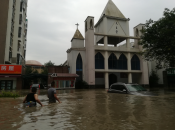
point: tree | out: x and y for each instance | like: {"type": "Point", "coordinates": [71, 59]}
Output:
{"type": "Point", "coordinates": [49, 63]}
{"type": "Point", "coordinates": [28, 70]}
{"type": "Point", "coordinates": [35, 72]}
{"type": "Point", "coordinates": [153, 79]}
{"type": "Point", "coordinates": [44, 70]}
{"type": "Point", "coordinates": [158, 40]}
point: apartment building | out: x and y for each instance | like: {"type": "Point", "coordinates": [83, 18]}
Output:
{"type": "Point", "coordinates": [13, 31]}
{"type": "Point", "coordinates": [13, 39]}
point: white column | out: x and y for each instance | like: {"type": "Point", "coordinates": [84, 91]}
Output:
{"type": "Point", "coordinates": [106, 53]}
{"type": "Point", "coordinates": [128, 43]}
{"type": "Point", "coordinates": [105, 42]}
{"type": "Point", "coordinates": [105, 23]}
{"type": "Point", "coordinates": [129, 78]}
{"type": "Point", "coordinates": [129, 61]}
{"type": "Point", "coordinates": [106, 60]}
{"type": "Point", "coordinates": [106, 80]}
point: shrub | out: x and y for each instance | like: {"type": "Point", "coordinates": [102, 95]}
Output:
{"type": "Point", "coordinates": [80, 84]}
{"type": "Point", "coordinates": [153, 79]}
{"type": "Point", "coordinates": [9, 94]}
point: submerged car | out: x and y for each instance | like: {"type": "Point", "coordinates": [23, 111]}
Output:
{"type": "Point", "coordinates": [35, 86]}
{"type": "Point", "coordinates": [123, 88]}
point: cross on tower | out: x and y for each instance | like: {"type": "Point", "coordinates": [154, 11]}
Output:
{"type": "Point", "coordinates": [77, 25]}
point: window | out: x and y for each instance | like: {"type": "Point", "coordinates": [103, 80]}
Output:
{"type": "Point", "coordinates": [122, 62]}
{"type": "Point", "coordinates": [86, 26]}
{"type": "Point", "coordinates": [79, 63]}
{"type": "Point", "coordinates": [112, 61]}
{"type": "Point", "coordinates": [18, 49]}
{"type": "Point", "coordinates": [99, 61]}
{"type": "Point", "coordinates": [20, 18]}
{"type": "Point", "coordinates": [10, 55]}
{"type": "Point", "coordinates": [118, 87]}
{"type": "Point", "coordinates": [19, 32]}
{"type": "Point", "coordinates": [18, 59]}
{"type": "Point", "coordinates": [91, 24]}
{"type": "Point", "coordinates": [137, 32]}
{"type": "Point", "coordinates": [24, 53]}
{"type": "Point", "coordinates": [135, 63]}
{"type": "Point", "coordinates": [21, 4]}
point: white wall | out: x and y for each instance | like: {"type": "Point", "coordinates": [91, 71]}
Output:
{"type": "Point", "coordinates": [152, 66]}
{"type": "Point", "coordinates": [99, 81]}
{"type": "Point", "coordinates": [72, 57]}
{"type": "Point", "coordinates": [77, 43]}
{"type": "Point", "coordinates": [117, 25]}
{"type": "Point", "coordinates": [8, 34]}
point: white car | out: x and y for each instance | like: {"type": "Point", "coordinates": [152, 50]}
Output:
{"type": "Point", "coordinates": [35, 86]}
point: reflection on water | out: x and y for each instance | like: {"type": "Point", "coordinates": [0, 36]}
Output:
{"type": "Point", "coordinates": [91, 110]}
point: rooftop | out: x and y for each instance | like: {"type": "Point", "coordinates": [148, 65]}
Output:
{"type": "Point", "coordinates": [33, 63]}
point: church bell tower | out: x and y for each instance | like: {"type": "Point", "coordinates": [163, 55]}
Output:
{"type": "Point", "coordinates": [89, 45]}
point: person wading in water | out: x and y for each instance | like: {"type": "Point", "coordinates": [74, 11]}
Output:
{"type": "Point", "coordinates": [51, 94]}
{"type": "Point", "coordinates": [31, 98]}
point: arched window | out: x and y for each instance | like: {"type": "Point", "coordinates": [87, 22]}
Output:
{"type": "Point", "coordinates": [79, 63]}
{"type": "Point", "coordinates": [137, 32]}
{"type": "Point", "coordinates": [135, 63]}
{"type": "Point", "coordinates": [99, 61]}
{"type": "Point", "coordinates": [122, 62]}
{"type": "Point", "coordinates": [112, 61]}
{"type": "Point", "coordinates": [91, 24]}
{"type": "Point", "coordinates": [86, 26]}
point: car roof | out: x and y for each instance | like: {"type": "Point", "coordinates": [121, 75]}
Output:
{"type": "Point", "coordinates": [35, 85]}
{"type": "Point", "coordinates": [120, 83]}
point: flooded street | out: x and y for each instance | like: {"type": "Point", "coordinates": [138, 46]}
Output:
{"type": "Point", "coordinates": [91, 110]}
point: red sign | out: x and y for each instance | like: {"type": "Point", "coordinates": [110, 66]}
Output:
{"type": "Point", "coordinates": [10, 69]}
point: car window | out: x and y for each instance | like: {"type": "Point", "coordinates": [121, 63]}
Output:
{"type": "Point", "coordinates": [35, 85]}
{"type": "Point", "coordinates": [134, 88]}
{"type": "Point", "coordinates": [118, 87]}
{"type": "Point", "coordinates": [114, 87]}
{"type": "Point", "coordinates": [122, 87]}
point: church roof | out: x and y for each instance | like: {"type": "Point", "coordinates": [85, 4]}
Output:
{"type": "Point", "coordinates": [112, 10]}
{"type": "Point", "coordinates": [78, 35]}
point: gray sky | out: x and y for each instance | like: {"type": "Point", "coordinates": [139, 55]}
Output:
{"type": "Point", "coordinates": [51, 23]}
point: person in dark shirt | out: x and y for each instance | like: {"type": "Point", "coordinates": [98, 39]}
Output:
{"type": "Point", "coordinates": [51, 94]}
{"type": "Point", "coordinates": [31, 98]}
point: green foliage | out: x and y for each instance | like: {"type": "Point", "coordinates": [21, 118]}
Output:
{"type": "Point", "coordinates": [45, 70]}
{"type": "Point", "coordinates": [80, 84]}
{"type": "Point", "coordinates": [158, 40]}
{"type": "Point", "coordinates": [49, 63]}
{"type": "Point", "coordinates": [9, 94]}
{"type": "Point", "coordinates": [28, 70]}
{"type": "Point", "coordinates": [153, 79]}
{"type": "Point", "coordinates": [35, 72]}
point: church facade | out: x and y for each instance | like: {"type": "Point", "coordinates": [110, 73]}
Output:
{"type": "Point", "coordinates": [106, 55]}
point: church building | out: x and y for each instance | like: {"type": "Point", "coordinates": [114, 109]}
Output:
{"type": "Point", "coordinates": [106, 55]}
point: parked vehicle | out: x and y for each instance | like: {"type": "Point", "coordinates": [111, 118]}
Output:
{"type": "Point", "coordinates": [123, 88]}
{"type": "Point", "coordinates": [35, 85]}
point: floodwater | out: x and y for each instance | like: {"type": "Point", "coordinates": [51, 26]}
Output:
{"type": "Point", "coordinates": [91, 110]}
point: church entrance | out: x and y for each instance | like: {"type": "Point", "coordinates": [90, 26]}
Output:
{"type": "Point", "coordinates": [112, 79]}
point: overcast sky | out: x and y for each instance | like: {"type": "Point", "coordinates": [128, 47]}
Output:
{"type": "Point", "coordinates": [51, 23]}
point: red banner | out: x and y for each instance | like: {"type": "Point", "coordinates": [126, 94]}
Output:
{"type": "Point", "coordinates": [10, 69]}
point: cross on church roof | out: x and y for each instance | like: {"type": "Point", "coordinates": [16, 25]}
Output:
{"type": "Point", "coordinates": [77, 25]}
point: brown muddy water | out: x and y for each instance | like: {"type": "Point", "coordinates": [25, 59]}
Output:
{"type": "Point", "coordinates": [91, 110]}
